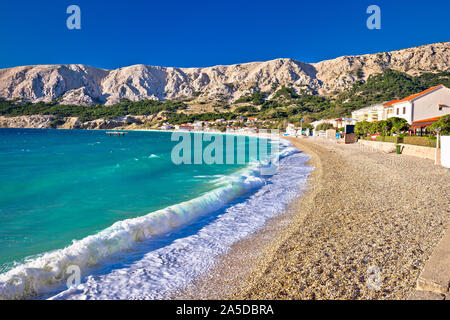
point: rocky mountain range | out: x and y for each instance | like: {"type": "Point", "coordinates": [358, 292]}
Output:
{"type": "Point", "coordinates": [84, 85]}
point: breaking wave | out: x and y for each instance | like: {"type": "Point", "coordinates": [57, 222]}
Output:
{"type": "Point", "coordinates": [44, 273]}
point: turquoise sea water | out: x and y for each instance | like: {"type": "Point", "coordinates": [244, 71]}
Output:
{"type": "Point", "coordinates": [58, 185]}
{"type": "Point", "coordinates": [136, 225]}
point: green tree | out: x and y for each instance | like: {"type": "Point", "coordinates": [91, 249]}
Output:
{"type": "Point", "coordinates": [443, 123]}
{"type": "Point", "coordinates": [363, 128]}
{"type": "Point", "coordinates": [398, 125]}
{"type": "Point", "coordinates": [374, 127]}
{"type": "Point", "coordinates": [384, 127]}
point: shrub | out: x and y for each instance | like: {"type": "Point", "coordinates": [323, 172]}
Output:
{"type": "Point", "coordinates": [420, 141]}
{"type": "Point", "coordinates": [390, 139]}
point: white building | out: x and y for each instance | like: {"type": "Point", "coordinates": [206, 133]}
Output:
{"type": "Point", "coordinates": [342, 122]}
{"type": "Point", "coordinates": [376, 112]}
{"type": "Point", "coordinates": [336, 123]}
{"type": "Point", "coordinates": [290, 129]}
{"type": "Point", "coordinates": [431, 103]}
{"type": "Point", "coordinates": [370, 113]}
{"type": "Point", "coordinates": [198, 125]}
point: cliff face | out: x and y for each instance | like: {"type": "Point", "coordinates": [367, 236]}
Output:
{"type": "Point", "coordinates": [83, 85]}
{"type": "Point", "coordinates": [33, 121]}
{"type": "Point", "coordinates": [48, 122]}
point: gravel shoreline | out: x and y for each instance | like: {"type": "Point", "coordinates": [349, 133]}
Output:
{"type": "Point", "coordinates": [364, 230]}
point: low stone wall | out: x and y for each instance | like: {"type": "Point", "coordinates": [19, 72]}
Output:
{"type": "Point", "coordinates": [419, 151]}
{"type": "Point", "coordinates": [379, 146]}
{"type": "Point", "coordinates": [407, 149]}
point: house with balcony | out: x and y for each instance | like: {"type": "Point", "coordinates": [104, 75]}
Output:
{"type": "Point", "coordinates": [369, 113]}
{"type": "Point", "coordinates": [375, 112]}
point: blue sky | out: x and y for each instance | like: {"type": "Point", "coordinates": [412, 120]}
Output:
{"type": "Point", "coordinates": [205, 33]}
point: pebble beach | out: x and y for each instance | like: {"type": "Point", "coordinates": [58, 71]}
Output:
{"type": "Point", "coordinates": [364, 230]}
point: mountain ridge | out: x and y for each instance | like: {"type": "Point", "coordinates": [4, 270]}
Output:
{"type": "Point", "coordinates": [80, 84]}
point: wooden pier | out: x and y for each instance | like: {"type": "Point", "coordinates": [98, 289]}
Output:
{"type": "Point", "coordinates": [116, 133]}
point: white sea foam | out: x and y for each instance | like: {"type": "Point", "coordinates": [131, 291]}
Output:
{"type": "Point", "coordinates": [153, 156]}
{"type": "Point", "coordinates": [171, 266]}
{"type": "Point", "coordinates": [210, 176]}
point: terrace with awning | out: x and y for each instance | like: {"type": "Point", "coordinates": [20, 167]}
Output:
{"type": "Point", "coordinates": [420, 127]}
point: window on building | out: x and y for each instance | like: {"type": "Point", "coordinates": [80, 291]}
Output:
{"type": "Point", "coordinates": [404, 110]}
{"type": "Point", "coordinates": [398, 110]}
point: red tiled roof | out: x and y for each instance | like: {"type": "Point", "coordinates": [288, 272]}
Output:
{"type": "Point", "coordinates": [390, 103]}
{"type": "Point", "coordinates": [426, 120]}
{"type": "Point", "coordinates": [414, 96]}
